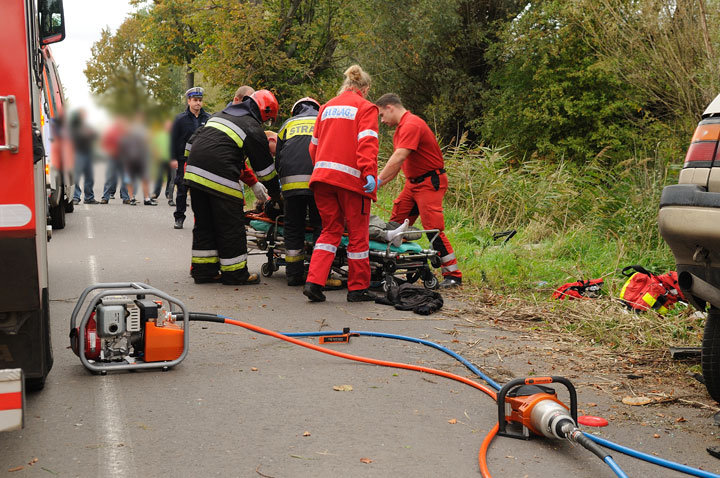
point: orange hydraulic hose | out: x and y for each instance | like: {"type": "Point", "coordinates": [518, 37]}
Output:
{"type": "Point", "coordinates": [482, 454]}
{"type": "Point", "coordinates": [358, 358]}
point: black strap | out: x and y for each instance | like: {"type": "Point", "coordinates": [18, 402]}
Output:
{"type": "Point", "coordinates": [636, 268]}
{"type": "Point", "coordinates": [432, 173]}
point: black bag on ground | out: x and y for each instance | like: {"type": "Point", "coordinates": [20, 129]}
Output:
{"type": "Point", "coordinates": [408, 297]}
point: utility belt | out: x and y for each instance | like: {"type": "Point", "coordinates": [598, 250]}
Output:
{"type": "Point", "coordinates": [434, 176]}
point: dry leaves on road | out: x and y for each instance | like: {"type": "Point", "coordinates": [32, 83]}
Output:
{"type": "Point", "coordinates": [306, 434]}
{"type": "Point", "coordinates": [17, 468]}
{"type": "Point", "coordinates": [343, 388]}
{"type": "Point", "coordinates": [365, 460]}
{"type": "Point", "coordinates": [452, 421]}
{"type": "Point", "coordinates": [636, 401]}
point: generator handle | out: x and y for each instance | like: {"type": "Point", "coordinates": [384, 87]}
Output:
{"type": "Point", "coordinates": [502, 421]}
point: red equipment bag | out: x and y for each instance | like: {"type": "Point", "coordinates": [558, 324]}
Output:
{"type": "Point", "coordinates": [582, 289]}
{"type": "Point", "coordinates": [644, 290]}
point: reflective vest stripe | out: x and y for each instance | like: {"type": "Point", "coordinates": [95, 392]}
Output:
{"type": "Point", "coordinates": [325, 247]}
{"type": "Point", "coordinates": [358, 255]}
{"type": "Point", "coordinates": [192, 177]}
{"type": "Point", "coordinates": [297, 258]}
{"type": "Point", "coordinates": [366, 133]}
{"type": "Point", "coordinates": [204, 260]}
{"type": "Point", "coordinates": [201, 253]}
{"type": "Point", "coordinates": [214, 177]}
{"type": "Point", "coordinates": [267, 173]}
{"type": "Point", "coordinates": [231, 132]}
{"type": "Point", "coordinates": [338, 167]}
{"type": "Point", "coordinates": [188, 146]}
{"type": "Point", "coordinates": [296, 181]}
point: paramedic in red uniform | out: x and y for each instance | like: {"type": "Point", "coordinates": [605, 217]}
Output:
{"type": "Point", "coordinates": [419, 155]}
{"type": "Point", "coordinates": [344, 149]}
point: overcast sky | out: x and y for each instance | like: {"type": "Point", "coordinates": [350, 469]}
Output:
{"type": "Point", "coordinates": [84, 20]}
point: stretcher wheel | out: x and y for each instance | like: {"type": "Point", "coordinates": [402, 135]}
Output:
{"type": "Point", "coordinates": [386, 285]}
{"type": "Point", "coordinates": [266, 270]}
{"type": "Point", "coordinates": [435, 261]}
{"type": "Point", "coordinates": [430, 282]}
{"type": "Point", "coordinates": [276, 266]}
{"type": "Point", "coordinates": [262, 244]}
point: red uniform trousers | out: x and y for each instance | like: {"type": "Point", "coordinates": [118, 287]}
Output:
{"type": "Point", "coordinates": [424, 200]}
{"type": "Point", "coordinates": [339, 208]}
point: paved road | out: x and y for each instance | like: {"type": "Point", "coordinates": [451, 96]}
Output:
{"type": "Point", "coordinates": [244, 405]}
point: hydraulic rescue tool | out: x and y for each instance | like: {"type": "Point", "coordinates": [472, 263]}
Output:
{"type": "Point", "coordinates": [122, 328]}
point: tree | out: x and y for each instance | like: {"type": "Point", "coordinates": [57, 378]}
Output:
{"type": "Point", "coordinates": [433, 55]}
{"type": "Point", "coordinates": [122, 73]}
{"type": "Point", "coordinates": [549, 92]}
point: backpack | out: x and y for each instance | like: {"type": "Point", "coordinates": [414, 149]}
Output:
{"type": "Point", "coordinates": [644, 290]}
{"type": "Point", "coordinates": [582, 289]}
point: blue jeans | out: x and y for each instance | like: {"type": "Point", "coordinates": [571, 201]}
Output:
{"type": "Point", "coordinates": [83, 167]}
{"type": "Point", "coordinates": [114, 172]}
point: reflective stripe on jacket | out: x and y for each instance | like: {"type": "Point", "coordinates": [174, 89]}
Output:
{"type": "Point", "coordinates": [292, 158]}
{"type": "Point", "coordinates": [217, 155]}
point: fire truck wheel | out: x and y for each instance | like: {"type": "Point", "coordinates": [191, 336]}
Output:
{"type": "Point", "coordinates": [57, 216]}
{"type": "Point", "coordinates": [711, 353]}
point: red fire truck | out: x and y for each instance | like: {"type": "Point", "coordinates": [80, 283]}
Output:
{"type": "Point", "coordinates": [25, 348]}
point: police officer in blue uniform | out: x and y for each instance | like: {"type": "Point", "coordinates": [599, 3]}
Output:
{"type": "Point", "coordinates": [183, 127]}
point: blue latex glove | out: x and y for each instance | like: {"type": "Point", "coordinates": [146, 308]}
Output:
{"type": "Point", "coordinates": [380, 181]}
{"type": "Point", "coordinates": [370, 184]}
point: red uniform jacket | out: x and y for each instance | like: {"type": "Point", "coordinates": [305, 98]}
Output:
{"type": "Point", "coordinates": [344, 145]}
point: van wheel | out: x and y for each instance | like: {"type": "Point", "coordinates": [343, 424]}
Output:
{"type": "Point", "coordinates": [711, 353]}
{"type": "Point", "coordinates": [57, 216]}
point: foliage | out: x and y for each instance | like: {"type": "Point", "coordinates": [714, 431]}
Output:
{"type": "Point", "coordinates": [124, 76]}
{"type": "Point", "coordinates": [433, 57]}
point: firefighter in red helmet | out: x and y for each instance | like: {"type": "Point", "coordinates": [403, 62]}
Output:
{"type": "Point", "coordinates": [344, 149]}
{"type": "Point", "coordinates": [215, 167]}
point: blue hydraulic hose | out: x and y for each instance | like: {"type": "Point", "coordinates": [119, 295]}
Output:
{"type": "Point", "coordinates": [608, 444]}
{"type": "Point", "coordinates": [651, 459]}
{"type": "Point", "coordinates": [439, 347]}
{"type": "Point", "coordinates": [614, 467]}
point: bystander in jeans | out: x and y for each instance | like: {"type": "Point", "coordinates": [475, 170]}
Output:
{"type": "Point", "coordinates": [83, 139]}
{"type": "Point", "coordinates": [114, 173]}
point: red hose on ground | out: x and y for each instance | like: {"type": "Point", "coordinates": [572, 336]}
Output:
{"type": "Point", "coordinates": [482, 454]}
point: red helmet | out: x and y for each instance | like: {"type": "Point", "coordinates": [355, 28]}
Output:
{"type": "Point", "coordinates": [307, 99]}
{"type": "Point", "coordinates": [267, 103]}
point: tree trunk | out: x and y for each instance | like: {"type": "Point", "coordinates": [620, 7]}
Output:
{"type": "Point", "coordinates": [189, 79]}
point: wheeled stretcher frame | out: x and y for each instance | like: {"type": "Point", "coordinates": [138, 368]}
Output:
{"type": "Point", "coordinates": [387, 262]}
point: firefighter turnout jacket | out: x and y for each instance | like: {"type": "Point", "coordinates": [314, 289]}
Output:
{"type": "Point", "coordinates": [344, 145]}
{"type": "Point", "coordinates": [217, 153]}
{"type": "Point", "coordinates": [292, 157]}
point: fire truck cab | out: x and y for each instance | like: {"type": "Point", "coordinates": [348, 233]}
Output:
{"type": "Point", "coordinates": [25, 349]}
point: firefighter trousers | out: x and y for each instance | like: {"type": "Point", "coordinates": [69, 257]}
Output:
{"type": "Point", "coordinates": [301, 213]}
{"type": "Point", "coordinates": [340, 208]}
{"type": "Point", "coordinates": [426, 201]}
{"type": "Point", "coordinates": [219, 242]}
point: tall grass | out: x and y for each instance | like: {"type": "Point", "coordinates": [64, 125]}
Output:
{"type": "Point", "coordinates": [573, 221]}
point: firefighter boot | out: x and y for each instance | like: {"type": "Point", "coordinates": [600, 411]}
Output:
{"type": "Point", "coordinates": [295, 273]}
{"type": "Point", "coordinates": [313, 292]}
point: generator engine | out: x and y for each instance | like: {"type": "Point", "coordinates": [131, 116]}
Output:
{"type": "Point", "coordinates": [126, 330]}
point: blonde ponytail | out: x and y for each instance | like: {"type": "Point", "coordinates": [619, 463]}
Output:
{"type": "Point", "coordinates": [355, 78]}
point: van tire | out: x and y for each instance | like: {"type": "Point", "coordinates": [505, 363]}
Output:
{"type": "Point", "coordinates": [711, 353]}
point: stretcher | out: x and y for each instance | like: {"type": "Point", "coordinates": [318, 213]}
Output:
{"type": "Point", "coordinates": [389, 264]}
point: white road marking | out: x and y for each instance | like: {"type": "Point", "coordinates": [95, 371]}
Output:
{"type": "Point", "coordinates": [90, 229]}
{"type": "Point", "coordinates": [115, 456]}
{"type": "Point", "coordinates": [92, 262]}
